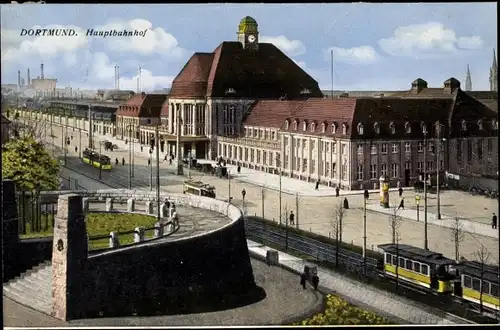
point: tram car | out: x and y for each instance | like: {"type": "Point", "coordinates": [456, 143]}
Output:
{"type": "Point", "coordinates": [198, 188]}
{"type": "Point", "coordinates": [94, 159]}
{"type": "Point", "coordinates": [466, 281]}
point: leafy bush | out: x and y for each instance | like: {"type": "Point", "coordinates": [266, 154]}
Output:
{"type": "Point", "coordinates": [339, 312]}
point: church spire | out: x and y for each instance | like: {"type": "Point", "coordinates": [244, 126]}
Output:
{"type": "Point", "coordinates": [468, 80]}
{"type": "Point", "coordinates": [494, 73]}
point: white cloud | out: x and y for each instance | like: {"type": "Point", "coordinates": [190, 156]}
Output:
{"type": "Point", "coordinates": [155, 40]}
{"type": "Point", "coordinates": [287, 46]}
{"type": "Point", "coordinates": [356, 55]}
{"type": "Point", "coordinates": [427, 40]}
{"type": "Point", "coordinates": [16, 48]}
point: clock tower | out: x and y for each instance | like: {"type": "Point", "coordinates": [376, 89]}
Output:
{"type": "Point", "coordinates": [248, 34]}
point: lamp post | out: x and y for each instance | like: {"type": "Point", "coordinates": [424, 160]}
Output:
{"type": "Point", "coordinates": [150, 170]}
{"type": "Point", "coordinates": [280, 215]}
{"type": "Point", "coordinates": [91, 142]}
{"type": "Point", "coordinates": [80, 142]}
{"type": "Point", "coordinates": [366, 196]}
{"type": "Point", "coordinates": [438, 151]}
{"type": "Point", "coordinates": [229, 186]}
{"type": "Point", "coordinates": [100, 158]}
{"type": "Point", "coordinates": [417, 201]}
{"type": "Point", "coordinates": [129, 156]}
{"type": "Point", "coordinates": [286, 232]}
{"type": "Point", "coordinates": [133, 153]}
{"type": "Point", "coordinates": [157, 141]}
{"type": "Point", "coordinates": [426, 243]}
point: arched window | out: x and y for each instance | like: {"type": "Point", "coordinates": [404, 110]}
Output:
{"type": "Point", "coordinates": [464, 125]}
{"type": "Point", "coordinates": [323, 128]}
{"type": "Point", "coordinates": [286, 124]}
{"type": "Point", "coordinates": [313, 127]}
{"type": "Point", "coordinates": [376, 128]}
{"type": "Point", "coordinates": [304, 126]}
{"type": "Point", "coordinates": [480, 124]}
{"type": "Point", "coordinates": [407, 128]}
{"type": "Point", "coordinates": [344, 129]}
{"type": "Point", "coordinates": [392, 127]}
{"type": "Point", "coordinates": [295, 124]}
{"type": "Point", "coordinates": [360, 129]}
{"type": "Point", "coordinates": [334, 128]}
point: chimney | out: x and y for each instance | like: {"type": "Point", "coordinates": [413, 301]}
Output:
{"type": "Point", "coordinates": [451, 85]}
{"type": "Point", "coordinates": [19, 78]}
{"type": "Point", "coordinates": [41, 71]}
{"type": "Point", "coordinates": [418, 85]}
{"type": "Point", "coordinates": [29, 80]}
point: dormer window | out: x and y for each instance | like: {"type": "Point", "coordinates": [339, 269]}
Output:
{"type": "Point", "coordinates": [287, 124]}
{"type": "Point", "coordinates": [407, 128]}
{"type": "Point", "coordinates": [304, 126]}
{"type": "Point", "coordinates": [344, 129]}
{"type": "Point", "coordinates": [376, 128]}
{"type": "Point", "coordinates": [334, 128]}
{"type": "Point", "coordinates": [323, 128]}
{"type": "Point", "coordinates": [480, 124]}
{"type": "Point", "coordinates": [313, 127]}
{"type": "Point", "coordinates": [360, 129]}
{"type": "Point", "coordinates": [464, 125]}
{"type": "Point", "coordinates": [392, 127]}
{"type": "Point", "coordinates": [295, 123]}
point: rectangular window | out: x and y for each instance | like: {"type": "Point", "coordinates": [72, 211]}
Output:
{"type": "Point", "coordinates": [407, 147]}
{"type": "Point", "coordinates": [420, 167]}
{"type": "Point", "coordinates": [469, 150]}
{"type": "Point", "coordinates": [271, 158]}
{"type": "Point", "coordinates": [476, 284]}
{"type": "Point", "coordinates": [343, 149]}
{"type": "Point", "coordinates": [485, 288]}
{"type": "Point", "coordinates": [394, 148]}
{"type": "Point", "coordinates": [467, 281]}
{"type": "Point", "coordinates": [459, 151]}
{"type": "Point", "coordinates": [313, 166]}
{"type": "Point", "coordinates": [424, 269]}
{"type": "Point", "coordinates": [304, 165]}
{"type": "Point", "coordinates": [416, 267]}
{"type": "Point", "coordinates": [327, 169]}
{"type": "Point", "coordinates": [494, 290]}
{"type": "Point", "coordinates": [373, 171]}
{"type": "Point", "coordinates": [334, 147]}
{"type": "Point", "coordinates": [490, 146]}
{"type": "Point", "coordinates": [420, 146]}
{"type": "Point", "coordinates": [401, 262]}
{"type": "Point", "coordinates": [373, 149]}
{"type": "Point", "coordinates": [258, 156]}
{"type": "Point", "coordinates": [395, 170]}
{"type": "Point", "coordinates": [388, 258]}
{"type": "Point", "coordinates": [430, 166]}
{"type": "Point", "coordinates": [480, 146]}
{"type": "Point", "coordinates": [394, 260]}
{"type": "Point", "coordinates": [334, 170]}
{"type": "Point", "coordinates": [383, 169]}
{"type": "Point", "coordinates": [344, 171]}
{"type": "Point", "coordinates": [273, 135]}
{"type": "Point", "coordinates": [430, 146]}
{"type": "Point", "coordinates": [360, 172]}
{"type": "Point", "coordinates": [409, 265]}
{"type": "Point", "coordinates": [252, 155]}
{"type": "Point", "coordinates": [384, 148]}
{"type": "Point", "coordinates": [264, 157]}
{"type": "Point", "coordinates": [408, 166]}
{"type": "Point", "coordinates": [360, 149]}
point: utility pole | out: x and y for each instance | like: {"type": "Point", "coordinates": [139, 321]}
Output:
{"type": "Point", "coordinates": [189, 165]}
{"type": "Point", "coordinates": [229, 186]}
{"type": "Point", "coordinates": [364, 230]}
{"type": "Point", "coordinates": [100, 157]}
{"type": "Point", "coordinates": [91, 144]}
{"type": "Point", "coordinates": [280, 215]}
{"type": "Point", "coordinates": [150, 171]}
{"type": "Point", "coordinates": [426, 242]}
{"type": "Point", "coordinates": [133, 154]}
{"type": "Point", "coordinates": [180, 170]}
{"type": "Point", "coordinates": [157, 141]}
{"type": "Point", "coordinates": [438, 150]}
{"type": "Point", "coordinates": [129, 157]}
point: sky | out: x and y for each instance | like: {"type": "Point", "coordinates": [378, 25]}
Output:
{"type": "Point", "coordinates": [375, 46]}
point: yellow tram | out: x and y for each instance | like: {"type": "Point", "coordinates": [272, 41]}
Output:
{"type": "Point", "coordinates": [93, 158]}
{"type": "Point", "coordinates": [419, 267]}
{"type": "Point", "coordinates": [476, 278]}
{"type": "Point", "coordinates": [198, 188]}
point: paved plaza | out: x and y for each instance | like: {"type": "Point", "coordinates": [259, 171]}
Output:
{"type": "Point", "coordinates": [315, 212]}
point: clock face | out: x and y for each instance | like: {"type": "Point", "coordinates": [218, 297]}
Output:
{"type": "Point", "coordinates": [251, 38]}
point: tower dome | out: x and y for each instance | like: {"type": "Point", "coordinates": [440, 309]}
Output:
{"type": "Point", "coordinates": [247, 25]}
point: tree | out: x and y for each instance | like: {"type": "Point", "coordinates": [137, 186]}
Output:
{"type": "Point", "coordinates": [30, 166]}
{"type": "Point", "coordinates": [263, 198]}
{"type": "Point", "coordinates": [297, 204]}
{"type": "Point", "coordinates": [338, 215]}
{"type": "Point", "coordinates": [395, 221]}
{"type": "Point", "coordinates": [482, 255]}
{"type": "Point", "coordinates": [458, 235]}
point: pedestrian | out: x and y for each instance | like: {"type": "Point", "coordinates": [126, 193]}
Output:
{"type": "Point", "coordinates": [170, 160]}
{"type": "Point", "coordinates": [494, 221]}
{"type": "Point", "coordinates": [243, 193]}
{"type": "Point", "coordinates": [116, 161]}
{"type": "Point", "coordinates": [123, 161]}
{"type": "Point", "coordinates": [149, 161]}
{"type": "Point", "coordinates": [167, 203]}
{"type": "Point", "coordinates": [142, 148]}
{"type": "Point", "coordinates": [76, 149]}
{"type": "Point", "coordinates": [315, 281]}
{"type": "Point", "coordinates": [400, 191]}
{"type": "Point", "coordinates": [239, 169]}
{"type": "Point", "coordinates": [402, 204]}
{"type": "Point", "coordinates": [337, 191]}
{"type": "Point", "coordinates": [317, 185]}
{"type": "Point", "coordinates": [291, 218]}
{"type": "Point", "coordinates": [303, 280]}
{"type": "Point", "coordinates": [346, 203]}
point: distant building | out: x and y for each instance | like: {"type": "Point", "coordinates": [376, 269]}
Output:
{"type": "Point", "coordinates": [43, 85]}
{"type": "Point", "coordinates": [5, 129]}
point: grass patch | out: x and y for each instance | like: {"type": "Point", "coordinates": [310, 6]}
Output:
{"type": "Point", "coordinates": [339, 312]}
{"type": "Point", "coordinates": [103, 224]}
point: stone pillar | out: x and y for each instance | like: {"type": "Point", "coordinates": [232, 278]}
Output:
{"type": "Point", "coordinates": [85, 204]}
{"type": "Point", "coordinates": [114, 240]}
{"type": "Point", "coordinates": [158, 230]}
{"type": "Point", "coordinates": [130, 205]}
{"type": "Point", "coordinates": [69, 254]}
{"type": "Point", "coordinates": [163, 210]}
{"type": "Point", "coordinates": [139, 234]}
{"type": "Point", "coordinates": [149, 207]}
{"type": "Point", "coordinates": [109, 204]}
{"type": "Point", "coordinates": [10, 229]}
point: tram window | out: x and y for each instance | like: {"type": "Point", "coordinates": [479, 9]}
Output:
{"type": "Point", "coordinates": [388, 258]}
{"type": "Point", "coordinates": [401, 262]}
{"type": "Point", "coordinates": [494, 290]}
{"type": "Point", "coordinates": [485, 287]}
{"type": "Point", "coordinates": [394, 260]}
{"type": "Point", "coordinates": [467, 281]}
{"type": "Point", "coordinates": [476, 284]}
{"type": "Point", "coordinates": [408, 265]}
{"type": "Point", "coordinates": [425, 269]}
{"type": "Point", "coordinates": [416, 267]}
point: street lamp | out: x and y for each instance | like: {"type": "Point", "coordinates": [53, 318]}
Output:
{"type": "Point", "coordinates": [129, 156]}
{"type": "Point", "coordinates": [426, 243]}
{"type": "Point", "coordinates": [229, 186]}
{"type": "Point", "coordinates": [417, 201]}
{"type": "Point", "coordinates": [100, 158]}
{"type": "Point", "coordinates": [438, 151]}
{"type": "Point", "coordinates": [91, 144]}
{"type": "Point", "coordinates": [157, 140]}
{"type": "Point", "coordinates": [366, 196]}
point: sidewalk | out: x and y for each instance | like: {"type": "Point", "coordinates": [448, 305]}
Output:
{"type": "Point", "coordinates": [446, 221]}
{"type": "Point", "coordinates": [360, 294]}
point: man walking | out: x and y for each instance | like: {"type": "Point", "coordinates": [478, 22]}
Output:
{"type": "Point", "coordinates": [315, 282]}
{"type": "Point", "coordinates": [303, 280]}
{"type": "Point", "coordinates": [402, 204]}
{"type": "Point", "coordinates": [337, 190]}
{"type": "Point", "coordinates": [243, 193]}
{"type": "Point", "coordinates": [292, 218]}
{"type": "Point", "coordinates": [317, 185]}
{"type": "Point", "coordinates": [400, 191]}
{"type": "Point", "coordinates": [494, 221]}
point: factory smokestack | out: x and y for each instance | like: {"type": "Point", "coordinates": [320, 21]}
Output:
{"type": "Point", "coordinates": [19, 78]}
{"type": "Point", "coordinates": [41, 71]}
{"type": "Point", "coordinates": [29, 80]}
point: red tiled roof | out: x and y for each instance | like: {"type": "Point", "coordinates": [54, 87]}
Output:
{"type": "Point", "coordinates": [271, 113]}
{"type": "Point", "coordinates": [142, 105]}
{"type": "Point", "coordinates": [262, 73]}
